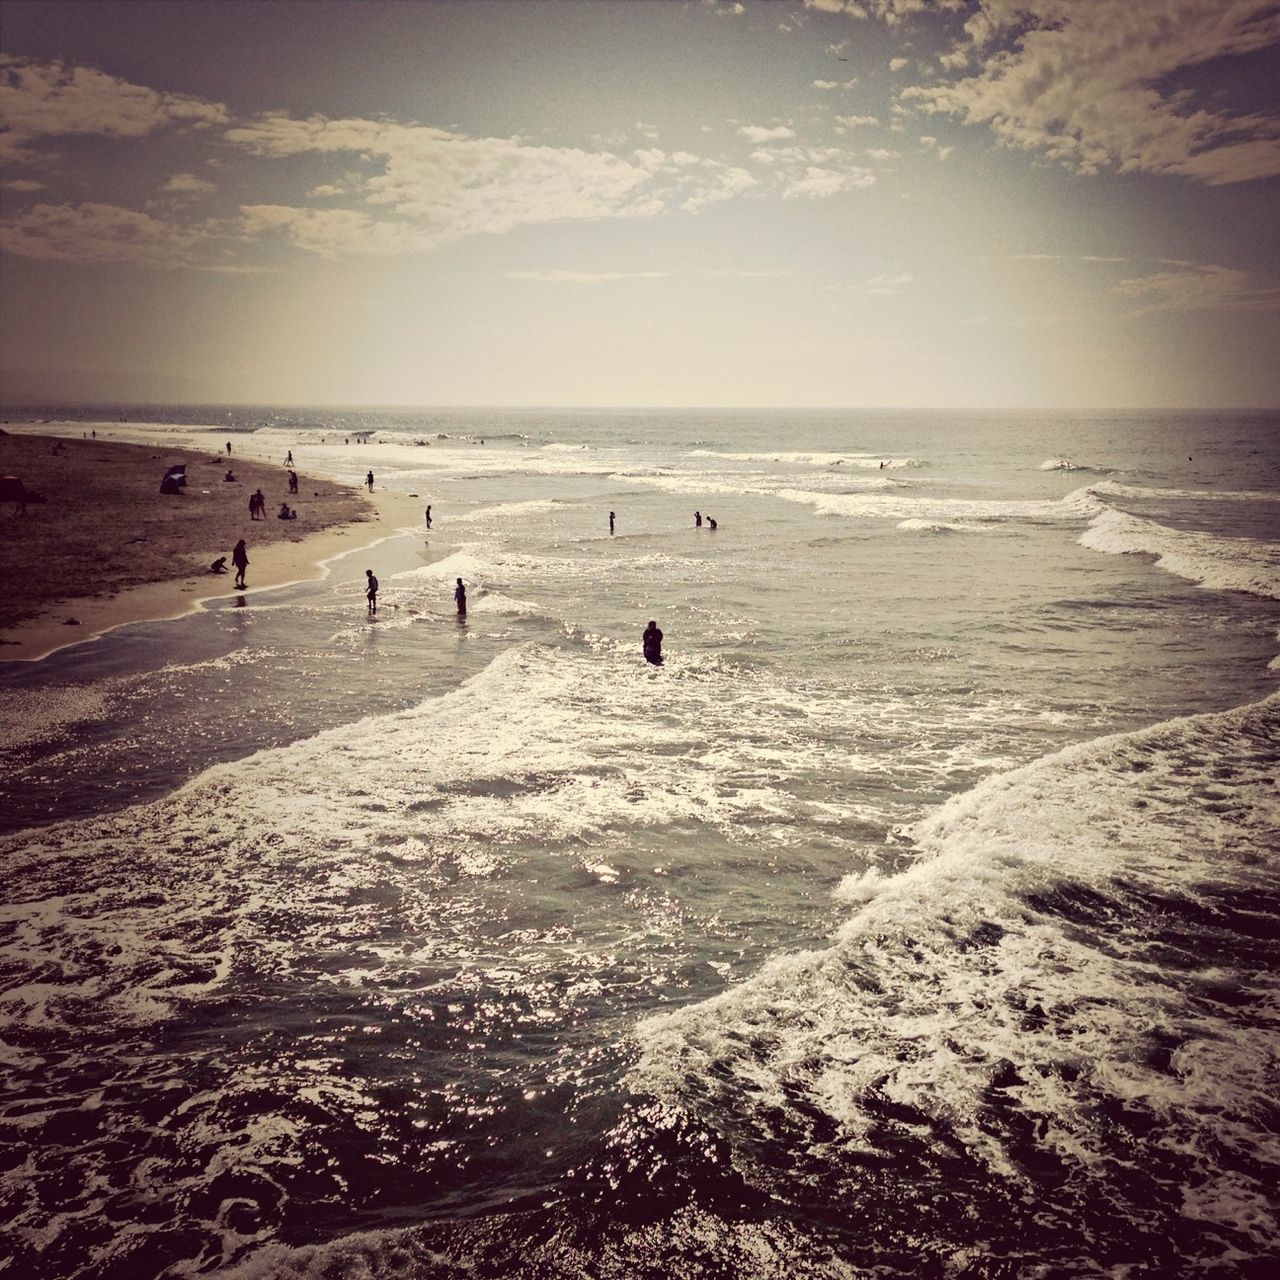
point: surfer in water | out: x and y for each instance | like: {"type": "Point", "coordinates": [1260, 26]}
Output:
{"type": "Point", "coordinates": [652, 642]}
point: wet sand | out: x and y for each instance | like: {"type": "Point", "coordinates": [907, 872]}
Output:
{"type": "Point", "coordinates": [145, 556]}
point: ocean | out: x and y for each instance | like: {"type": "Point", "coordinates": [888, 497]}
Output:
{"type": "Point", "coordinates": [916, 917]}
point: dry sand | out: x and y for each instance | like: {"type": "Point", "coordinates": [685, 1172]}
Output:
{"type": "Point", "coordinates": [107, 548]}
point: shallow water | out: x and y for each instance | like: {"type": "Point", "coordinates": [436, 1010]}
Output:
{"type": "Point", "coordinates": [902, 922]}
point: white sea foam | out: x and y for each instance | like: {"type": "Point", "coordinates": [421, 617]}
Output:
{"type": "Point", "coordinates": [916, 525]}
{"type": "Point", "coordinates": [1064, 922]}
{"type": "Point", "coordinates": [1220, 563]}
{"type": "Point", "coordinates": [900, 505]}
{"type": "Point", "coordinates": [871, 461]}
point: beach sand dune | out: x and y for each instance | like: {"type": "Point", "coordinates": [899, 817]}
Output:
{"type": "Point", "coordinates": [105, 532]}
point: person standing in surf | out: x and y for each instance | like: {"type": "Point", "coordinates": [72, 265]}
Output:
{"type": "Point", "coordinates": [369, 481]}
{"type": "Point", "coordinates": [428, 517]}
{"type": "Point", "coordinates": [652, 644]}
{"type": "Point", "coordinates": [371, 591]}
{"type": "Point", "coordinates": [697, 519]}
{"type": "Point", "coordinates": [611, 522]}
{"type": "Point", "coordinates": [240, 558]}
{"type": "Point", "coordinates": [460, 599]}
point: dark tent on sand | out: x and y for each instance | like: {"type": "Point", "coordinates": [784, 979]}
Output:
{"type": "Point", "coordinates": [175, 480]}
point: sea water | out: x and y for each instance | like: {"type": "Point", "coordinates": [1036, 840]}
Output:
{"type": "Point", "coordinates": [917, 916]}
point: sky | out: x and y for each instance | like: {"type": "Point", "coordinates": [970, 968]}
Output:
{"type": "Point", "coordinates": [772, 203]}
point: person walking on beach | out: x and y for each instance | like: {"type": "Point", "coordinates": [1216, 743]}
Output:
{"type": "Point", "coordinates": [371, 592]}
{"type": "Point", "coordinates": [460, 599]}
{"type": "Point", "coordinates": [651, 641]}
{"type": "Point", "coordinates": [228, 448]}
{"type": "Point", "coordinates": [288, 459]}
{"type": "Point", "coordinates": [697, 519]}
{"type": "Point", "coordinates": [610, 521]}
{"type": "Point", "coordinates": [293, 483]}
{"type": "Point", "coordinates": [240, 558]}
{"type": "Point", "coordinates": [369, 481]}
{"type": "Point", "coordinates": [428, 517]}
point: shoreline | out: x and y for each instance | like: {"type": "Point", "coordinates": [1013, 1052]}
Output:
{"type": "Point", "coordinates": [81, 619]}
{"type": "Point", "coordinates": [271, 566]}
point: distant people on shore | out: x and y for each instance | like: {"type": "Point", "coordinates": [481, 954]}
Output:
{"type": "Point", "coordinates": [286, 512]}
{"type": "Point", "coordinates": [293, 482]}
{"type": "Point", "coordinates": [288, 458]}
{"type": "Point", "coordinates": [219, 565]}
{"type": "Point", "coordinates": [371, 590]}
{"type": "Point", "coordinates": [428, 517]}
{"type": "Point", "coordinates": [460, 599]}
{"type": "Point", "coordinates": [610, 521]}
{"type": "Point", "coordinates": [257, 505]}
{"type": "Point", "coordinates": [230, 475]}
{"type": "Point", "coordinates": [651, 642]}
{"type": "Point", "coordinates": [697, 519]}
{"type": "Point", "coordinates": [369, 481]}
{"type": "Point", "coordinates": [240, 558]}
{"type": "Point", "coordinates": [228, 448]}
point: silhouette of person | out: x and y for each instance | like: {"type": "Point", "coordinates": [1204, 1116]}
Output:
{"type": "Point", "coordinates": [240, 558]}
{"type": "Point", "coordinates": [228, 448]}
{"type": "Point", "coordinates": [219, 565]}
{"type": "Point", "coordinates": [711, 524]}
{"type": "Point", "coordinates": [697, 519]}
{"type": "Point", "coordinates": [610, 521]}
{"type": "Point", "coordinates": [651, 642]}
{"type": "Point", "coordinates": [460, 599]}
{"type": "Point", "coordinates": [428, 517]}
{"type": "Point", "coordinates": [288, 461]}
{"type": "Point", "coordinates": [293, 482]}
{"type": "Point", "coordinates": [369, 481]}
{"type": "Point", "coordinates": [371, 593]}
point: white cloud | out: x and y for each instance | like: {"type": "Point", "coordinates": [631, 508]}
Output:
{"type": "Point", "coordinates": [1197, 288]}
{"type": "Point", "coordinates": [856, 122]}
{"type": "Point", "coordinates": [851, 7]}
{"type": "Point", "coordinates": [188, 184]}
{"type": "Point", "coordinates": [896, 64]}
{"type": "Point", "coordinates": [817, 183]}
{"type": "Point", "coordinates": [39, 100]}
{"type": "Point", "coordinates": [727, 181]}
{"type": "Point", "coordinates": [444, 185]}
{"type": "Point", "coordinates": [836, 84]}
{"type": "Point", "coordinates": [23, 184]}
{"type": "Point", "coordinates": [106, 233]}
{"type": "Point", "coordinates": [762, 133]}
{"type": "Point", "coordinates": [324, 190]}
{"type": "Point", "coordinates": [882, 153]}
{"type": "Point", "coordinates": [1091, 83]}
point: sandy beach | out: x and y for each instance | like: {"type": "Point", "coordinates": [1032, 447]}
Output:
{"type": "Point", "coordinates": [105, 524]}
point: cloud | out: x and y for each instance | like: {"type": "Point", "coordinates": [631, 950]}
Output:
{"type": "Point", "coordinates": [896, 64]}
{"type": "Point", "coordinates": [727, 181]}
{"type": "Point", "coordinates": [448, 185]}
{"type": "Point", "coordinates": [23, 184]}
{"type": "Point", "coordinates": [1092, 83]}
{"type": "Point", "coordinates": [324, 190]}
{"type": "Point", "coordinates": [585, 277]}
{"type": "Point", "coordinates": [1197, 288]}
{"type": "Point", "coordinates": [856, 122]}
{"type": "Point", "coordinates": [762, 133]}
{"type": "Point", "coordinates": [835, 84]}
{"type": "Point", "coordinates": [851, 7]}
{"type": "Point", "coordinates": [817, 183]}
{"type": "Point", "coordinates": [106, 233]}
{"type": "Point", "coordinates": [882, 154]}
{"type": "Point", "coordinates": [39, 100]}
{"type": "Point", "coordinates": [189, 185]}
